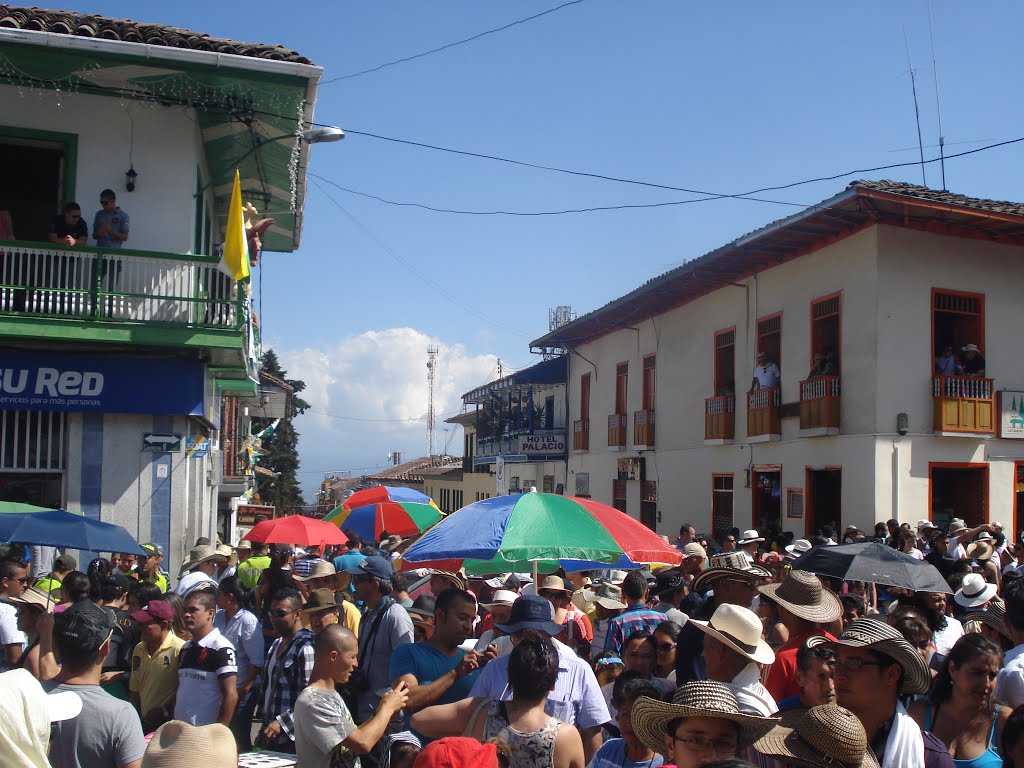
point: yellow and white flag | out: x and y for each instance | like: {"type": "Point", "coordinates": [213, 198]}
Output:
{"type": "Point", "coordinates": [234, 260]}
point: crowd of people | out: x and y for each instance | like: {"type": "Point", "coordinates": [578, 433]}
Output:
{"type": "Point", "coordinates": [339, 659]}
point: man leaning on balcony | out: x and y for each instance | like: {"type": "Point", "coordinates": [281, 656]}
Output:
{"type": "Point", "coordinates": [974, 363]}
{"type": "Point", "coordinates": [946, 364]}
{"type": "Point", "coordinates": [110, 226]}
{"type": "Point", "coordinates": [68, 228]}
{"type": "Point", "coordinates": [766, 373]}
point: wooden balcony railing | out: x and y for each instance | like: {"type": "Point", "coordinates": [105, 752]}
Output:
{"type": "Point", "coordinates": [617, 430]}
{"type": "Point", "coordinates": [819, 402]}
{"type": "Point", "coordinates": [643, 429]}
{"type": "Point", "coordinates": [581, 435]}
{"type": "Point", "coordinates": [720, 417]}
{"type": "Point", "coordinates": [964, 404]}
{"type": "Point", "coordinates": [763, 412]}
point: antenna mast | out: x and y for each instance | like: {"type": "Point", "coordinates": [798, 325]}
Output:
{"type": "Point", "coordinates": [938, 108]}
{"type": "Point", "coordinates": [917, 113]}
{"type": "Point", "coordinates": [431, 367]}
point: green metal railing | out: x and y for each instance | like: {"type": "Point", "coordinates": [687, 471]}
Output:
{"type": "Point", "coordinates": [118, 285]}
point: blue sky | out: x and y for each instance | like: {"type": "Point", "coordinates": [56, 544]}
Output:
{"type": "Point", "coordinates": [724, 97]}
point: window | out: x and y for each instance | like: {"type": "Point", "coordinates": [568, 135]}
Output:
{"type": "Point", "coordinates": [958, 319]}
{"type": "Point", "coordinates": [32, 440]}
{"type": "Point", "coordinates": [721, 505]}
{"type": "Point", "coordinates": [725, 362]}
{"type": "Point", "coordinates": [825, 324]}
{"type": "Point", "coordinates": [621, 387]}
{"type": "Point", "coordinates": [549, 412]}
{"type": "Point", "coordinates": [769, 338]}
{"type": "Point", "coordinates": [794, 503]}
{"type": "Point", "coordinates": [585, 397]}
{"type": "Point", "coordinates": [548, 484]}
{"type": "Point", "coordinates": [457, 500]}
{"type": "Point", "coordinates": [619, 495]}
{"type": "Point", "coordinates": [649, 504]}
{"type": "Point", "coordinates": [468, 451]}
{"type": "Point", "coordinates": [583, 484]}
{"type": "Point", "coordinates": [649, 379]}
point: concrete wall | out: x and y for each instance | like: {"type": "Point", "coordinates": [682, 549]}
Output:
{"type": "Point", "coordinates": [167, 150]}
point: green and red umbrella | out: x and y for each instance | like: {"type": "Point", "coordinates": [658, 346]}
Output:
{"type": "Point", "coordinates": [513, 533]}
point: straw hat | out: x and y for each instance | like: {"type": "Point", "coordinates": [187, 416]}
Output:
{"type": "Point", "coordinates": [501, 597]}
{"type": "Point", "coordinates": [975, 591]}
{"type": "Point", "coordinates": [749, 537]}
{"type": "Point", "coordinates": [881, 638]}
{"type": "Point", "coordinates": [980, 551]}
{"type": "Point", "coordinates": [391, 543]}
{"type": "Point", "coordinates": [993, 614]}
{"type": "Point", "coordinates": [699, 698]}
{"type": "Point", "coordinates": [458, 580]}
{"type": "Point", "coordinates": [35, 597]}
{"type": "Point", "coordinates": [801, 594]}
{"type": "Point", "coordinates": [606, 595]}
{"type": "Point", "coordinates": [179, 745]}
{"type": "Point", "coordinates": [821, 737]}
{"type": "Point", "coordinates": [693, 549]}
{"type": "Point", "coordinates": [555, 584]}
{"type": "Point", "coordinates": [320, 570]}
{"type": "Point", "coordinates": [320, 600]}
{"type": "Point", "coordinates": [970, 348]}
{"type": "Point", "coordinates": [740, 629]}
{"type": "Point", "coordinates": [728, 565]}
{"type": "Point", "coordinates": [199, 555]}
{"type": "Point", "coordinates": [798, 547]}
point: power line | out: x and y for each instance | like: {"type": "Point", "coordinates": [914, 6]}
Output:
{"type": "Point", "coordinates": [451, 45]}
{"type": "Point", "coordinates": [410, 420]}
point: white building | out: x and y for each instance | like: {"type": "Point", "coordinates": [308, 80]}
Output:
{"type": "Point", "coordinates": [882, 277]}
{"type": "Point", "coordinates": [115, 360]}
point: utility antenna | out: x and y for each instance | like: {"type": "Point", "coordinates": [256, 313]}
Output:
{"type": "Point", "coordinates": [938, 107]}
{"type": "Point", "coordinates": [500, 373]}
{"type": "Point", "coordinates": [917, 113]}
{"type": "Point", "coordinates": [431, 368]}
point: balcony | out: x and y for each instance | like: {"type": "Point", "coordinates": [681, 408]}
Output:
{"type": "Point", "coordinates": [581, 435]}
{"type": "Point", "coordinates": [617, 431]}
{"type": "Point", "coordinates": [763, 411]}
{"type": "Point", "coordinates": [719, 419]}
{"type": "Point", "coordinates": [643, 430]}
{"type": "Point", "coordinates": [819, 406]}
{"type": "Point", "coordinates": [137, 297]}
{"type": "Point", "coordinates": [963, 405]}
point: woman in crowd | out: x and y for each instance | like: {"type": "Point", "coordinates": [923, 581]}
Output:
{"type": "Point", "coordinates": [1013, 740]}
{"type": "Point", "coordinates": [31, 605]}
{"type": "Point", "coordinates": [533, 738]}
{"type": "Point", "coordinates": [640, 654]}
{"type": "Point", "coordinates": [775, 632]}
{"type": "Point", "coordinates": [178, 625]}
{"type": "Point", "coordinates": [702, 724]}
{"type": "Point", "coordinates": [666, 640]}
{"type": "Point", "coordinates": [627, 751]}
{"type": "Point", "coordinates": [74, 589]}
{"type": "Point", "coordinates": [960, 711]}
{"type": "Point", "coordinates": [238, 624]}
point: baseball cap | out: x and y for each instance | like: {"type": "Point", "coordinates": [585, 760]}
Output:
{"type": "Point", "coordinates": [64, 563]}
{"type": "Point", "coordinates": [375, 566]}
{"type": "Point", "coordinates": [458, 752]}
{"type": "Point", "coordinates": [156, 610]}
{"type": "Point", "coordinates": [152, 550]}
{"type": "Point", "coordinates": [85, 625]}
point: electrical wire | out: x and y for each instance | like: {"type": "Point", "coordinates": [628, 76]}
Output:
{"type": "Point", "coordinates": [379, 67]}
{"type": "Point", "coordinates": [410, 420]}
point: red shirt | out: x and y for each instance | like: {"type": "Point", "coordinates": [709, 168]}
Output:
{"type": "Point", "coordinates": [780, 677]}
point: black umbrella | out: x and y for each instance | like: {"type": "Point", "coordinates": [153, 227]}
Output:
{"type": "Point", "coordinates": [871, 561]}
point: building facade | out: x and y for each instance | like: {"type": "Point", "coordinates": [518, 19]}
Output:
{"type": "Point", "coordinates": [857, 417]}
{"type": "Point", "coordinates": [117, 360]}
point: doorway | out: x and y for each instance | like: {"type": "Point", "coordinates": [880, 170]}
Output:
{"type": "Point", "coordinates": [766, 502]}
{"type": "Point", "coordinates": [39, 181]}
{"type": "Point", "coordinates": [42, 489]}
{"type": "Point", "coordinates": [958, 490]}
{"type": "Point", "coordinates": [824, 501]}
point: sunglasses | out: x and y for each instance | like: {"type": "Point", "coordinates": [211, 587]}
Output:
{"type": "Point", "coordinates": [279, 614]}
{"type": "Point", "coordinates": [665, 647]}
{"type": "Point", "coordinates": [553, 595]}
{"type": "Point", "coordinates": [24, 581]}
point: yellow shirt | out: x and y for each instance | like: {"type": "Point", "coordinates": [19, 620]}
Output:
{"type": "Point", "coordinates": [155, 678]}
{"type": "Point", "coordinates": [350, 616]}
{"type": "Point", "coordinates": [160, 580]}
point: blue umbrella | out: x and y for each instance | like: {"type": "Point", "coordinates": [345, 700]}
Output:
{"type": "Point", "coordinates": [57, 528]}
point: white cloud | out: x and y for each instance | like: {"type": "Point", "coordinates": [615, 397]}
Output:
{"type": "Point", "coordinates": [378, 375]}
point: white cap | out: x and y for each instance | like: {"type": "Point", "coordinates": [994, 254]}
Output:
{"type": "Point", "coordinates": [501, 597]}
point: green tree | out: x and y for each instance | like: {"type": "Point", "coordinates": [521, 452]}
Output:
{"type": "Point", "coordinates": [281, 450]}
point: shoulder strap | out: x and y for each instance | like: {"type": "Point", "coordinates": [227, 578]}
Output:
{"type": "Point", "coordinates": [471, 724]}
{"type": "Point", "coordinates": [386, 604]}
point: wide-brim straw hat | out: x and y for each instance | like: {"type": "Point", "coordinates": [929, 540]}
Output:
{"type": "Point", "coordinates": [606, 595]}
{"type": "Point", "coordinates": [749, 537]}
{"type": "Point", "coordinates": [798, 547]}
{"type": "Point", "coordinates": [974, 591]}
{"type": "Point", "coordinates": [458, 580]}
{"type": "Point", "coordinates": [881, 638]}
{"type": "Point", "coordinates": [740, 629]}
{"type": "Point", "coordinates": [699, 698]}
{"type": "Point", "coordinates": [199, 555]}
{"type": "Point", "coordinates": [801, 594]}
{"type": "Point", "coordinates": [35, 597]}
{"type": "Point", "coordinates": [320, 600]}
{"type": "Point", "coordinates": [827, 736]}
{"type": "Point", "coordinates": [728, 565]}
{"type": "Point", "coordinates": [994, 614]}
{"type": "Point", "coordinates": [321, 569]}
{"type": "Point", "coordinates": [980, 551]}
{"type": "Point", "coordinates": [179, 745]}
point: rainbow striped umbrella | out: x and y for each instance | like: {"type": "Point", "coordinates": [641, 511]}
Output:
{"type": "Point", "coordinates": [405, 518]}
{"type": "Point", "coordinates": [512, 533]}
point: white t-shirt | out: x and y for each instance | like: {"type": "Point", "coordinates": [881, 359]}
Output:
{"type": "Point", "coordinates": [322, 722]}
{"type": "Point", "coordinates": [945, 639]}
{"type": "Point", "coordinates": [9, 632]}
{"type": "Point", "coordinates": [200, 667]}
{"type": "Point", "coordinates": [767, 375]}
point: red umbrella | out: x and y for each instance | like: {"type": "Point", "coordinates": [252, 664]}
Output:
{"type": "Point", "coordinates": [298, 530]}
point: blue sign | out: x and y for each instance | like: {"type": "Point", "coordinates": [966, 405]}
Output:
{"type": "Point", "coordinates": [31, 382]}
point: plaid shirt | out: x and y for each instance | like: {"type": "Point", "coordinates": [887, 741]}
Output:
{"type": "Point", "coordinates": [291, 674]}
{"type": "Point", "coordinates": [633, 619]}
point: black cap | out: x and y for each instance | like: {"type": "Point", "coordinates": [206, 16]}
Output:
{"type": "Point", "coordinates": [668, 581]}
{"type": "Point", "coordinates": [375, 566]}
{"type": "Point", "coordinates": [84, 625]}
{"type": "Point", "coordinates": [118, 581]}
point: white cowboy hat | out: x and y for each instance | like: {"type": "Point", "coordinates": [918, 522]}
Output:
{"type": "Point", "coordinates": [749, 537]}
{"type": "Point", "coordinates": [501, 597]}
{"type": "Point", "coordinates": [974, 591]}
{"type": "Point", "coordinates": [797, 548]}
{"type": "Point", "coordinates": [740, 629]}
